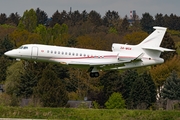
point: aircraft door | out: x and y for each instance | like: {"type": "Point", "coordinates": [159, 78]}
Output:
{"type": "Point", "coordinates": [34, 52]}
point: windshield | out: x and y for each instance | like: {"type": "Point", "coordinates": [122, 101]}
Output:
{"type": "Point", "coordinates": [23, 47]}
{"type": "Point", "coordinates": [20, 47]}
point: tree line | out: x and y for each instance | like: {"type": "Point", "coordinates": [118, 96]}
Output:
{"type": "Point", "coordinates": [51, 85]}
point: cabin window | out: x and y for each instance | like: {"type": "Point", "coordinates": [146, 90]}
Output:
{"type": "Point", "coordinates": [76, 54]}
{"type": "Point", "coordinates": [62, 53]}
{"type": "Point", "coordinates": [69, 53]}
{"type": "Point", "coordinates": [54, 52]}
{"type": "Point", "coordinates": [48, 51]}
{"type": "Point", "coordinates": [51, 51]}
{"type": "Point", "coordinates": [73, 54]}
{"type": "Point", "coordinates": [84, 55]}
{"type": "Point", "coordinates": [80, 54]}
{"type": "Point", "coordinates": [58, 52]}
{"type": "Point", "coordinates": [65, 53]}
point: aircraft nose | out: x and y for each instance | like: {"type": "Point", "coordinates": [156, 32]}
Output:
{"type": "Point", "coordinates": [8, 53]}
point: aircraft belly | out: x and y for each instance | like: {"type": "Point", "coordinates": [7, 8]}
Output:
{"type": "Point", "coordinates": [91, 62]}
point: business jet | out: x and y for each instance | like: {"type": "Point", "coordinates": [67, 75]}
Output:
{"type": "Point", "coordinates": [122, 56]}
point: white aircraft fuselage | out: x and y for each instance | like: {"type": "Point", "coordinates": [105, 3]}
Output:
{"type": "Point", "coordinates": [122, 56]}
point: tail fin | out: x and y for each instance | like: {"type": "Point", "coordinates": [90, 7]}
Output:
{"type": "Point", "coordinates": [155, 38]}
{"type": "Point", "coordinates": [153, 41]}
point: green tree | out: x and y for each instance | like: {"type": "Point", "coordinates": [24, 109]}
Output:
{"type": "Point", "coordinates": [72, 42]}
{"type": "Point", "coordinates": [76, 18]}
{"type": "Point", "coordinates": [143, 92]}
{"type": "Point", "coordinates": [168, 42]}
{"type": "Point", "coordinates": [111, 19]}
{"type": "Point", "coordinates": [51, 90]}
{"type": "Point", "coordinates": [135, 37]}
{"type": "Point", "coordinates": [56, 31]}
{"type": "Point", "coordinates": [173, 22]}
{"type": "Point", "coordinates": [64, 29]}
{"type": "Point", "coordinates": [13, 78]}
{"type": "Point", "coordinates": [147, 22]}
{"type": "Point", "coordinates": [41, 17]}
{"type": "Point", "coordinates": [20, 37]}
{"type": "Point", "coordinates": [137, 98]}
{"type": "Point", "coordinates": [124, 26]}
{"type": "Point", "coordinates": [3, 18]}
{"type": "Point", "coordinates": [29, 20]}
{"type": "Point", "coordinates": [62, 72]}
{"type": "Point", "coordinates": [115, 101]}
{"type": "Point", "coordinates": [111, 82]}
{"type": "Point", "coordinates": [151, 87]}
{"type": "Point", "coordinates": [171, 89]}
{"type": "Point", "coordinates": [128, 78]}
{"type": "Point", "coordinates": [21, 26]}
{"type": "Point", "coordinates": [5, 30]}
{"type": "Point", "coordinates": [84, 15]}
{"type": "Point", "coordinates": [13, 19]}
{"type": "Point", "coordinates": [42, 31]}
{"type": "Point", "coordinates": [161, 72]}
{"type": "Point", "coordinates": [112, 30]}
{"type": "Point", "coordinates": [59, 34]}
{"type": "Point", "coordinates": [4, 62]}
{"type": "Point", "coordinates": [159, 20]}
{"type": "Point", "coordinates": [5, 45]}
{"type": "Point", "coordinates": [95, 18]}
{"type": "Point", "coordinates": [30, 78]}
{"type": "Point", "coordinates": [27, 84]}
{"type": "Point", "coordinates": [58, 18]}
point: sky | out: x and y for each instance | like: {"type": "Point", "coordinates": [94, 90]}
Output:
{"type": "Point", "coordinates": [123, 7]}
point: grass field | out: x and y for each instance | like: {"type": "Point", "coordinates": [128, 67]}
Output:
{"type": "Point", "coordinates": [86, 114]}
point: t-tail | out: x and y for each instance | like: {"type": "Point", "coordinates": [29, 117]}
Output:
{"type": "Point", "coordinates": [152, 43]}
{"type": "Point", "coordinates": [144, 54]}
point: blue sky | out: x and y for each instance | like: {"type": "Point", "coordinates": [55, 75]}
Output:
{"type": "Point", "coordinates": [123, 7]}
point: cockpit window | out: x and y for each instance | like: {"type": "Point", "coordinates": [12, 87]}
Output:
{"type": "Point", "coordinates": [20, 47]}
{"type": "Point", "coordinates": [25, 47]}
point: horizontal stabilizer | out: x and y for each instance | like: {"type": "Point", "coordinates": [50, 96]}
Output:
{"type": "Point", "coordinates": [158, 49]}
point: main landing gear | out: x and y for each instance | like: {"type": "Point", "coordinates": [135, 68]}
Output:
{"type": "Point", "coordinates": [94, 74]}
